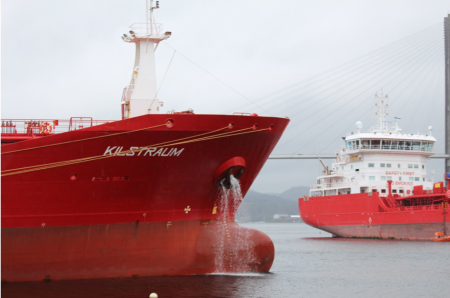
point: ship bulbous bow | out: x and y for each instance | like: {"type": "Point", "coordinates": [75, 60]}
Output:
{"type": "Point", "coordinates": [235, 249]}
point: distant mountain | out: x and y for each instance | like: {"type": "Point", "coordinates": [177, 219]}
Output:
{"type": "Point", "coordinates": [295, 193]}
{"type": "Point", "coordinates": [263, 206]}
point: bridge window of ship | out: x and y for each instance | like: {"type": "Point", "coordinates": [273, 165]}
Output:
{"type": "Point", "coordinates": [423, 167]}
{"type": "Point", "coordinates": [375, 144]}
{"type": "Point", "coordinates": [383, 191]}
{"type": "Point", "coordinates": [416, 179]}
{"type": "Point", "coordinates": [424, 146]}
{"type": "Point", "coordinates": [411, 178]}
{"type": "Point", "coordinates": [399, 178]}
{"type": "Point", "coordinates": [401, 191]}
{"type": "Point", "coordinates": [371, 165]}
{"type": "Point", "coordinates": [394, 191]}
{"type": "Point", "coordinates": [389, 178]}
{"type": "Point", "coordinates": [386, 144]}
{"type": "Point", "coordinates": [383, 165]}
{"type": "Point", "coordinates": [410, 166]}
{"type": "Point", "coordinates": [372, 178]}
{"type": "Point", "coordinates": [416, 166]}
{"type": "Point", "coordinates": [399, 166]}
{"type": "Point", "coordinates": [388, 165]}
{"type": "Point", "coordinates": [383, 178]}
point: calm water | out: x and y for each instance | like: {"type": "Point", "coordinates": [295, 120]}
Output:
{"type": "Point", "coordinates": [307, 264]}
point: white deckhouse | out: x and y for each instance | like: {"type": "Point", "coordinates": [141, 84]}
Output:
{"type": "Point", "coordinates": [369, 159]}
{"type": "Point", "coordinates": [139, 98]}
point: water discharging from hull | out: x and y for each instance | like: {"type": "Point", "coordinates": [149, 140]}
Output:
{"type": "Point", "coordinates": [235, 251]}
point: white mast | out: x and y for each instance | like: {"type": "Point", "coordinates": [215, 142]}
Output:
{"type": "Point", "coordinates": [381, 110]}
{"type": "Point", "coordinates": [139, 98]}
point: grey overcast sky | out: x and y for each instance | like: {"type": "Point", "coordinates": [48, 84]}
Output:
{"type": "Point", "coordinates": [66, 58]}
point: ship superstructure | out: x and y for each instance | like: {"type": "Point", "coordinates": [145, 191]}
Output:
{"type": "Point", "coordinates": [370, 158]}
{"type": "Point", "coordinates": [139, 97]}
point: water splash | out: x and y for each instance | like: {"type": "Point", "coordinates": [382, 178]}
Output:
{"type": "Point", "coordinates": [235, 250]}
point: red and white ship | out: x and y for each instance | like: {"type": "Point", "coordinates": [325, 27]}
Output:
{"type": "Point", "coordinates": [378, 187]}
{"type": "Point", "coordinates": [141, 196]}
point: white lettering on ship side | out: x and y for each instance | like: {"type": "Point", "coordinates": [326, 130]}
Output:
{"type": "Point", "coordinates": [119, 149]}
{"type": "Point", "coordinates": [109, 150]}
{"type": "Point", "coordinates": [158, 152]}
{"type": "Point", "coordinates": [148, 151]}
{"type": "Point", "coordinates": [132, 151]}
{"type": "Point", "coordinates": [399, 173]}
{"type": "Point", "coordinates": [162, 154]}
{"type": "Point", "coordinates": [176, 153]}
{"type": "Point", "coordinates": [403, 183]}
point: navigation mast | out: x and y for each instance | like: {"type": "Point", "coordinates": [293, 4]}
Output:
{"type": "Point", "coordinates": [381, 105]}
{"type": "Point", "coordinates": [139, 98]}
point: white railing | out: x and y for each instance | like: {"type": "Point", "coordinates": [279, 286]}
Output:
{"type": "Point", "coordinates": [392, 147]}
{"type": "Point", "coordinates": [127, 91]}
{"type": "Point", "coordinates": [146, 29]}
{"type": "Point", "coordinates": [333, 185]}
{"type": "Point", "coordinates": [30, 127]}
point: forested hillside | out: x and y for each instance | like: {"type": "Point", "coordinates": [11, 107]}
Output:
{"type": "Point", "coordinates": [262, 207]}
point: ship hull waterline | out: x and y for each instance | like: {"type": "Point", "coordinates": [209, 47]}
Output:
{"type": "Point", "coordinates": [364, 216]}
{"type": "Point", "coordinates": [130, 250]}
{"type": "Point", "coordinates": [416, 232]}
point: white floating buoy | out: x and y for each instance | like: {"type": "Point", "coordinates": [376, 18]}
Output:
{"type": "Point", "coordinates": [153, 295]}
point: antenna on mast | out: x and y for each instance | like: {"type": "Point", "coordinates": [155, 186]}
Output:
{"type": "Point", "coordinates": [381, 109]}
{"type": "Point", "coordinates": [150, 20]}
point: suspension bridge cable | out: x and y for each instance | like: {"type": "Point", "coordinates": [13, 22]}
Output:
{"type": "Point", "coordinates": [336, 68]}
{"type": "Point", "coordinates": [310, 115]}
{"type": "Point", "coordinates": [334, 111]}
{"type": "Point", "coordinates": [432, 79]}
{"type": "Point", "coordinates": [341, 75]}
{"type": "Point", "coordinates": [350, 125]}
{"type": "Point", "coordinates": [346, 79]}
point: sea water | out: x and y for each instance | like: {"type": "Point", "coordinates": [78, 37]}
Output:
{"type": "Point", "coordinates": [231, 249]}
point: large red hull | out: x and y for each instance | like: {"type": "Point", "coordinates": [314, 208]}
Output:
{"type": "Point", "coordinates": [131, 249]}
{"type": "Point", "coordinates": [138, 214]}
{"type": "Point", "coordinates": [364, 216]}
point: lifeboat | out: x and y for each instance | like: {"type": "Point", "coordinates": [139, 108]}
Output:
{"type": "Point", "coordinates": [440, 237]}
